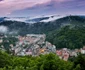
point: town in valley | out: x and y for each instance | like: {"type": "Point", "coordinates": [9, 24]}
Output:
{"type": "Point", "coordinates": [35, 45]}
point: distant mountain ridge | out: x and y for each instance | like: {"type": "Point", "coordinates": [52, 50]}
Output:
{"type": "Point", "coordinates": [2, 19]}
{"type": "Point", "coordinates": [23, 28]}
{"type": "Point", "coordinates": [31, 20]}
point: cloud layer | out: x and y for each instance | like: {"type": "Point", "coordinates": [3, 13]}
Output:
{"type": "Point", "coordinates": [3, 29]}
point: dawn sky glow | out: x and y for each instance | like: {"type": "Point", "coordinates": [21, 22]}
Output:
{"type": "Point", "coordinates": [41, 7]}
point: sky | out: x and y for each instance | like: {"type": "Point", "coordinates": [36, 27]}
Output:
{"type": "Point", "coordinates": [29, 8]}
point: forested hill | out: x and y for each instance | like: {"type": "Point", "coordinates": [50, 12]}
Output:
{"type": "Point", "coordinates": [71, 35]}
{"type": "Point", "coordinates": [67, 37]}
{"type": "Point", "coordinates": [42, 27]}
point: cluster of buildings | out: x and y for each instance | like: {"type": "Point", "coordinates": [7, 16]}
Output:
{"type": "Point", "coordinates": [35, 44]}
{"type": "Point", "coordinates": [32, 44]}
{"type": "Point", "coordinates": [65, 53]}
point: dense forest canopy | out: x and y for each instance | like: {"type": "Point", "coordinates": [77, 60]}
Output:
{"type": "Point", "coordinates": [42, 62]}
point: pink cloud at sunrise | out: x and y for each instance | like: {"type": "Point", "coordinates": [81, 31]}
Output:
{"type": "Point", "coordinates": [7, 6]}
{"type": "Point", "coordinates": [13, 7]}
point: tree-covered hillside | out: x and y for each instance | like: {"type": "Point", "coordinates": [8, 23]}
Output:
{"type": "Point", "coordinates": [68, 37]}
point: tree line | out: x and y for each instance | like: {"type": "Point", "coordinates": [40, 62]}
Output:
{"type": "Point", "coordinates": [42, 62]}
